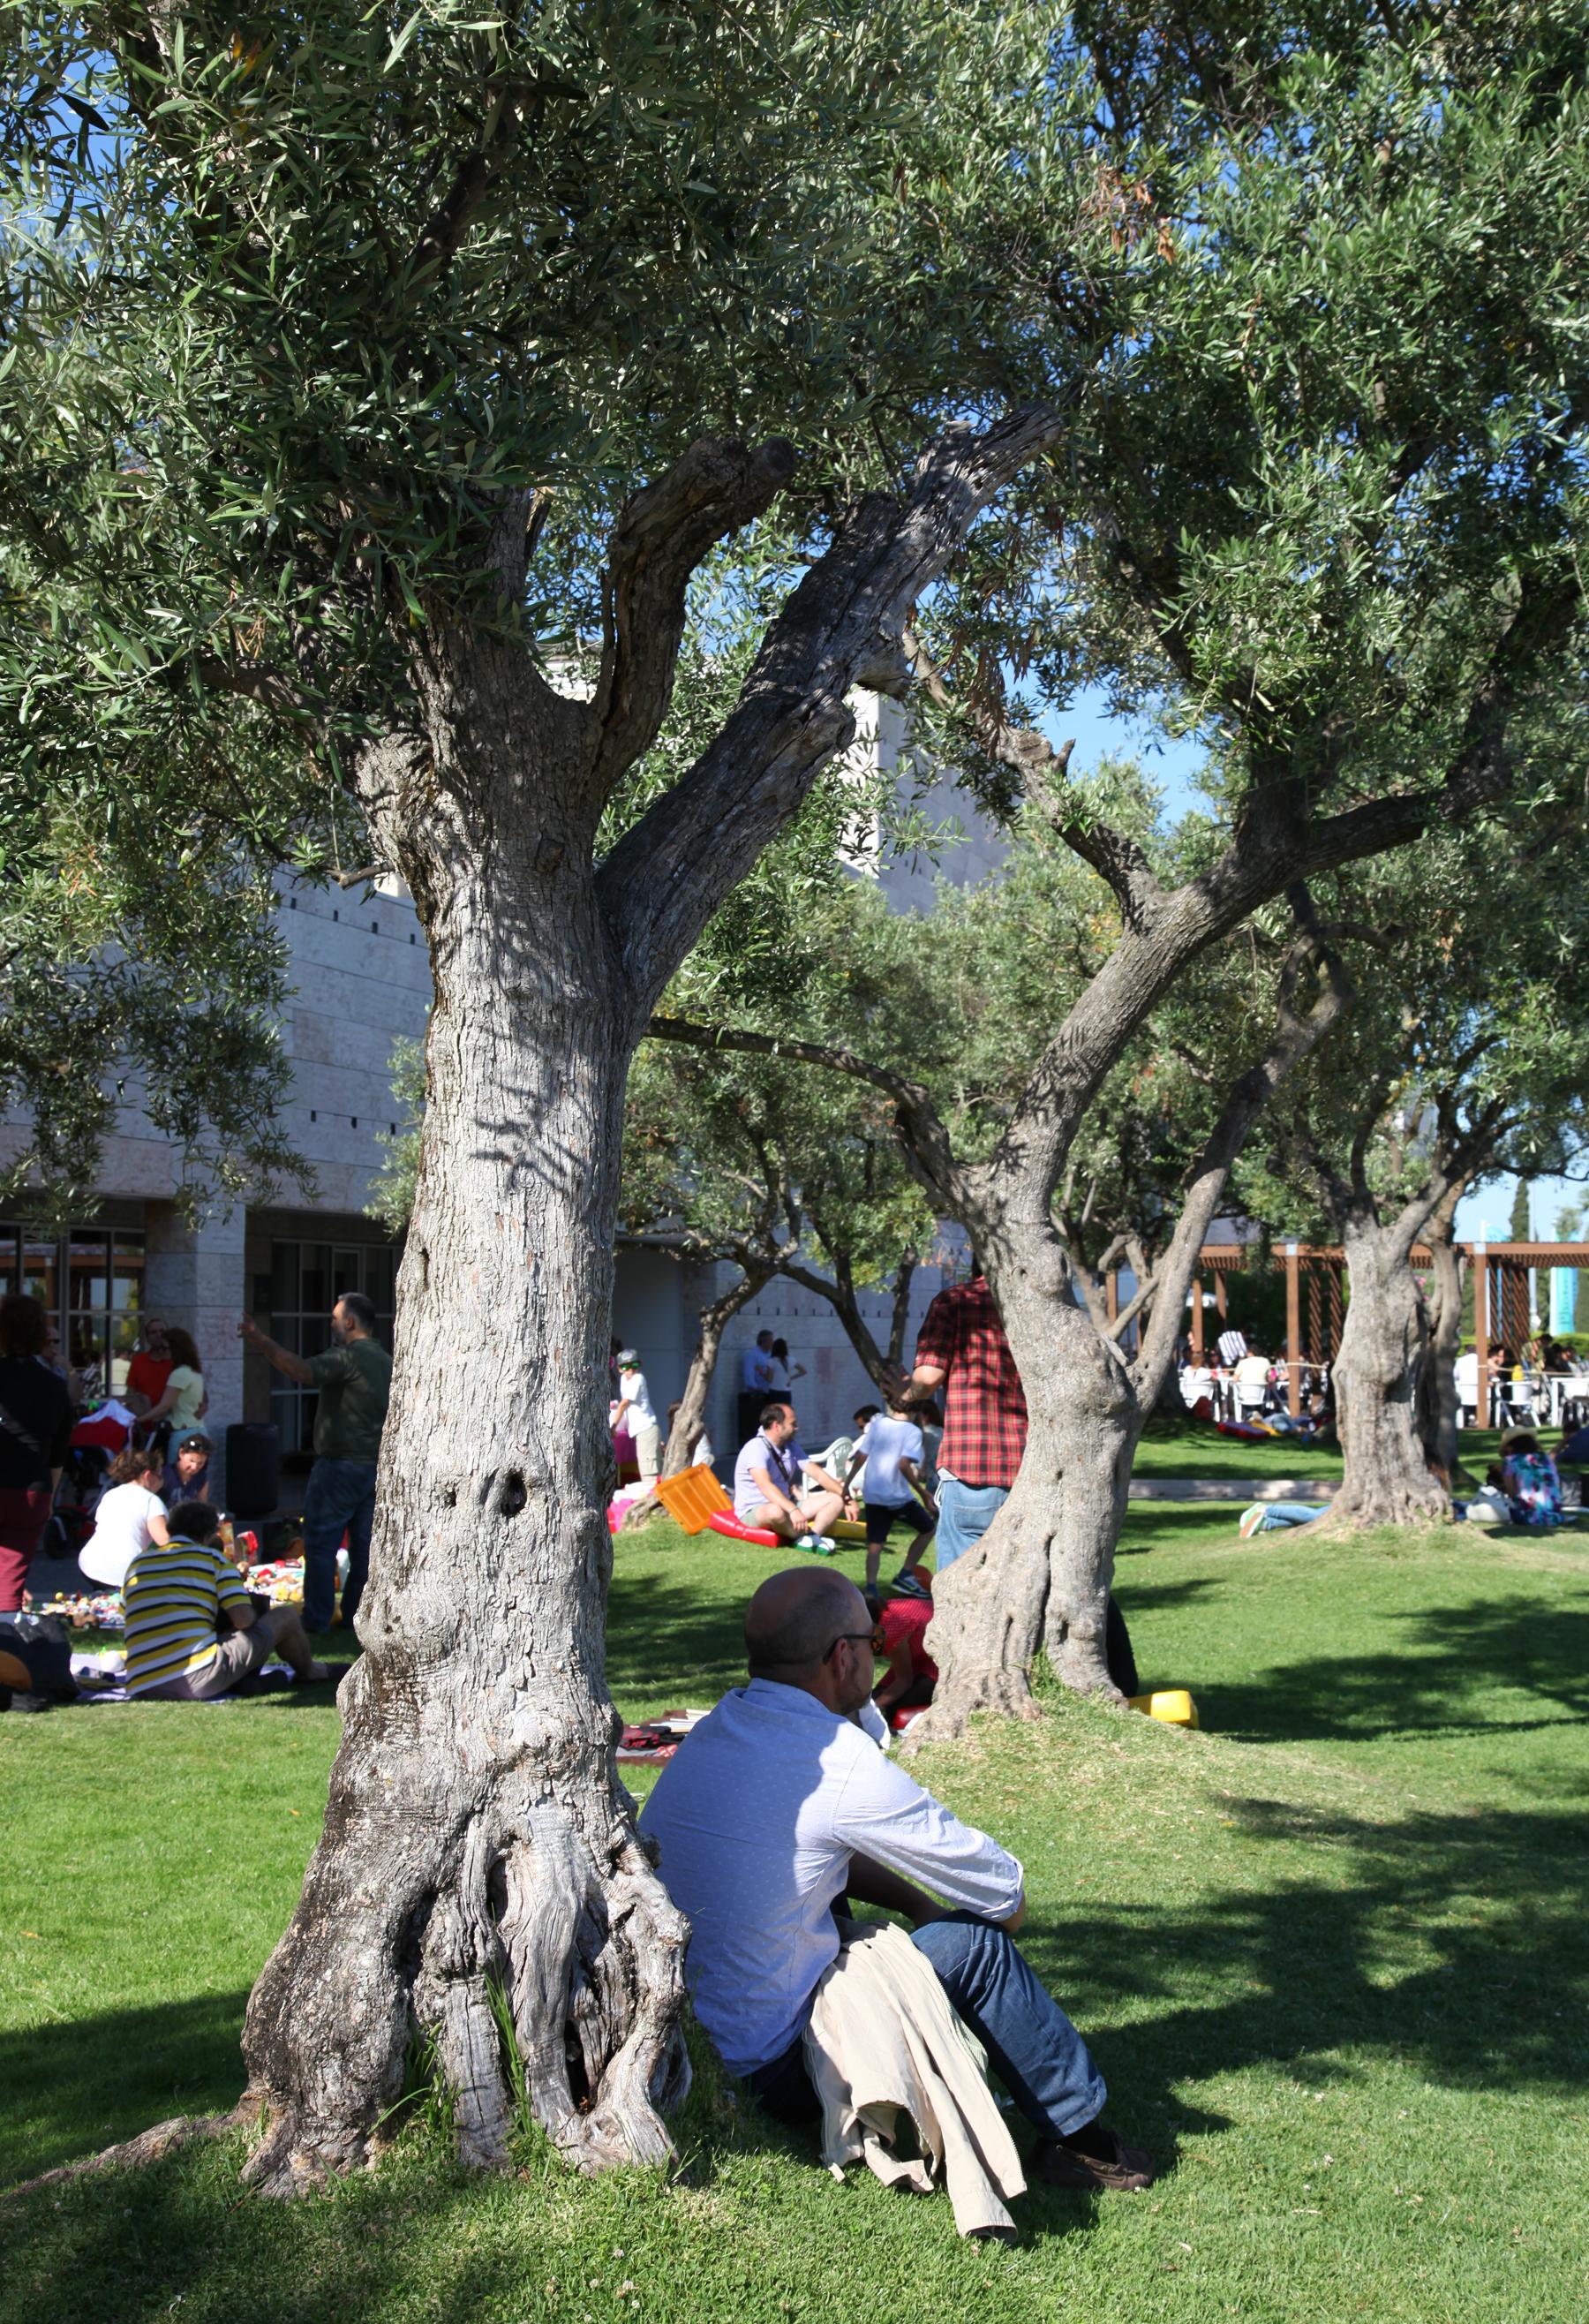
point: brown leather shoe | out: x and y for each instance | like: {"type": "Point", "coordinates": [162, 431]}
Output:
{"type": "Point", "coordinates": [1127, 2170]}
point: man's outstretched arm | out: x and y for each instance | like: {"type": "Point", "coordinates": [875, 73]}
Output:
{"type": "Point", "coordinates": [871, 1882]}
{"type": "Point", "coordinates": [295, 1367]}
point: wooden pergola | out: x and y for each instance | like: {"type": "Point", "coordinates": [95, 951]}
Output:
{"type": "Point", "coordinates": [1317, 1272]}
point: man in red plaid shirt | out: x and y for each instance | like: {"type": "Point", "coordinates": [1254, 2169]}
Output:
{"type": "Point", "coordinates": [962, 1348]}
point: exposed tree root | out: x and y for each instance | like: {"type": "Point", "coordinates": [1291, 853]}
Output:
{"type": "Point", "coordinates": [149, 2146]}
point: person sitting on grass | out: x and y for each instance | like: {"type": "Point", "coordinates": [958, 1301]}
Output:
{"type": "Point", "coordinates": [129, 1517]}
{"type": "Point", "coordinates": [890, 1450]}
{"type": "Point", "coordinates": [186, 1475]}
{"type": "Point", "coordinates": [766, 1485]}
{"type": "Point", "coordinates": [782, 1803]}
{"type": "Point", "coordinates": [899, 1644]}
{"type": "Point", "coordinates": [193, 1631]}
{"type": "Point", "coordinates": [1529, 1479]}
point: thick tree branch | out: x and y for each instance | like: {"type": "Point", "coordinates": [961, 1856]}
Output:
{"type": "Point", "coordinates": [1271, 848]}
{"type": "Point", "coordinates": [841, 628]}
{"type": "Point", "coordinates": [1297, 1032]}
{"type": "Point", "coordinates": [711, 491]}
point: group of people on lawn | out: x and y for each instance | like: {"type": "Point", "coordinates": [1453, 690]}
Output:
{"type": "Point", "coordinates": [193, 1629]}
{"type": "Point", "coordinates": [783, 1805]}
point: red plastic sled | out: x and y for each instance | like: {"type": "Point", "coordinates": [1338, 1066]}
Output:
{"type": "Point", "coordinates": [725, 1521]}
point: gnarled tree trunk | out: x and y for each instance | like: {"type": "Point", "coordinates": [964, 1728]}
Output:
{"type": "Point", "coordinates": [1040, 1577]}
{"type": "Point", "coordinates": [1042, 1574]}
{"type": "Point", "coordinates": [1438, 1409]}
{"type": "Point", "coordinates": [477, 1841]}
{"type": "Point", "coordinates": [1386, 1476]}
{"type": "Point", "coordinates": [475, 1832]}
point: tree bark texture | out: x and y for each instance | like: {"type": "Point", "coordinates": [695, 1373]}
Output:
{"type": "Point", "coordinates": [476, 1831]}
{"type": "Point", "coordinates": [1386, 1477]}
{"type": "Point", "coordinates": [1040, 1577]}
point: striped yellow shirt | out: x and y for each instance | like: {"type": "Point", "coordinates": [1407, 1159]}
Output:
{"type": "Point", "coordinates": [172, 1597]}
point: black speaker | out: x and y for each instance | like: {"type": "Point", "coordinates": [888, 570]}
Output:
{"type": "Point", "coordinates": [254, 1461]}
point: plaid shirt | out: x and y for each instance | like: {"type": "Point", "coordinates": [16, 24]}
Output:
{"type": "Point", "coordinates": [985, 1408]}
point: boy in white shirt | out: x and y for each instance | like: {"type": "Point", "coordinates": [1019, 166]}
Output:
{"type": "Point", "coordinates": [891, 1449]}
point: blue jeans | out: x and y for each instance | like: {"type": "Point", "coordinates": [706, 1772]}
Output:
{"type": "Point", "coordinates": [1037, 2053]}
{"type": "Point", "coordinates": [341, 1496]}
{"type": "Point", "coordinates": [965, 1512]}
{"type": "Point", "coordinates": [1277, 1514]}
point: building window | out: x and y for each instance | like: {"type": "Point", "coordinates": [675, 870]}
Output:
{"type": "Point", "coordinates": [306, 1280]}
{"type": "Point", "coordinates": [90, 1283]}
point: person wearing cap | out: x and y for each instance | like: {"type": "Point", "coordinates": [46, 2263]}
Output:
{"type": "Point", "coordinates": [186, 1475]}
{"type": "Point", "coordinates": [635, 1410]}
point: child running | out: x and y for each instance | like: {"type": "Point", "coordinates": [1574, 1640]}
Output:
{"type": "Point", "coordinates": [890, 1447]}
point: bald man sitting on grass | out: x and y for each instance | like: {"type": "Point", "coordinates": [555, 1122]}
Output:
{"type": "Point", "coordinates": [781, 1802]}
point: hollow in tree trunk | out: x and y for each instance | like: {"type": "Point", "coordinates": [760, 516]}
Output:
{"type": "Point", "coordinates": [1386, 1476]}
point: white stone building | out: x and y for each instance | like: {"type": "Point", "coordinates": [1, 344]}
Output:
{"type": "Point", "coordinates": [359, 979]}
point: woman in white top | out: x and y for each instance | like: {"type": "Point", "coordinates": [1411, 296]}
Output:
{"type": "Point", "coordinates": [784, 1374]}
{"type": "Point", "coordinates": [129, 1516]}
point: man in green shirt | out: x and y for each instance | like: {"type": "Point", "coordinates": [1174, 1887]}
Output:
{"type": "Point", "coordinates": [353, 1378]}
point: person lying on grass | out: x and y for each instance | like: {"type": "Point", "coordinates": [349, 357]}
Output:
{"type": "Point", "coordinates": [780, 1804]}
{"type": "Point", "coordinates": [192, 1628]}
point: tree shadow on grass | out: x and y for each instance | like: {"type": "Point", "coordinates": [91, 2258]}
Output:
{"type": "Point", "coordinates": [1468, 1669]}
{"type": "Point", "coordinates": [72, 2088]}
{"type": "Point", "coordinates": [1449, 1944]}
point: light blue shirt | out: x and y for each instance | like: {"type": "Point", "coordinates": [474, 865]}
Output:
{"type": "Point", "coordinates": [757, 1817]}
{"type": "Point", "coordinates": [885, 1443]}
{"type": "Point", "coordinates": [783, 1467]}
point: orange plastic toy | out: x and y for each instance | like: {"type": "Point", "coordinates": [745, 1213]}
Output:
{"type": "Point", "coordinates": [691, 1497]}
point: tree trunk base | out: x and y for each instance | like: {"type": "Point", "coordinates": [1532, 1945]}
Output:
{"type": "Point", "coordinates": [491, 1895]}
{"type": "Point", "coordinates": [1006, 1694]}
{"type": "Point", "coordinates": [1387, 1502]}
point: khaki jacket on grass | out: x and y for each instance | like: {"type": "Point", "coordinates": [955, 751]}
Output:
{"type": "Point", "coordinates": [885, 2040]}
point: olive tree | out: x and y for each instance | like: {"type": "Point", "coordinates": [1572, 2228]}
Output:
{"type": "Point", "coordinates": [1318, 512]}
{"type": "Point", "coordinates": [377, 384]}
{"type": "Point", "coordinates": [1466, 1057]}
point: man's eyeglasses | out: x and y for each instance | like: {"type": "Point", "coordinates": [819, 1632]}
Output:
{"type": "Point", "coordinates": [854, 1637]}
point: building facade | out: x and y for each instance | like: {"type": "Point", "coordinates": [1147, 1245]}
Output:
{"type": "Point", "coordinates": [359, 979]}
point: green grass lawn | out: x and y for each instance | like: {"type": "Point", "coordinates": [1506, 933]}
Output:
{"type": "Point", "coordinates": [1331, 1952]}
{"type": "Point", "coordinates": [1191, 1448]}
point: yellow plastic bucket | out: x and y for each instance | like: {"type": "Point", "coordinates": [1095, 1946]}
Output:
{"type": "Point", "coordinates": [1173, 1704]}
